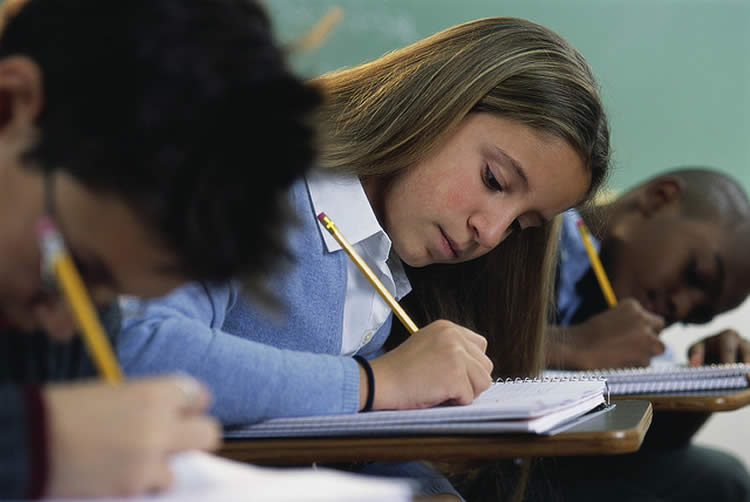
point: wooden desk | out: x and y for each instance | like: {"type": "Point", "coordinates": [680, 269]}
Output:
{"type": "Point", "coordinates": [698, 401]}
{"type": "Point", "coordinates": [618, 431]}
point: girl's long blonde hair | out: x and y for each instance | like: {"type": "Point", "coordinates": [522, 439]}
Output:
{"type": "Point", "coordinates": [385, 115]}
{"type": "Point", "coordinates": [382, 117]}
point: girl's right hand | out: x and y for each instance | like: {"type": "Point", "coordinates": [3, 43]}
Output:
{"type": "Point", "coordinates": [442, 362]}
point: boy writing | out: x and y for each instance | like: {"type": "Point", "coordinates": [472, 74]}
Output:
{"type": "Point", "coordinates": [674, 248]}
{"type": "Point", "coordinates": [144, 129]}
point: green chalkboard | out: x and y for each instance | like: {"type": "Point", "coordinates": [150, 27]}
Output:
{"type": "Point", "coordinates": [675, 74]}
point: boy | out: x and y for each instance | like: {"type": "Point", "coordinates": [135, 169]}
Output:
{"type": "Point", "coordinates": [674, 248]}
{"type": "Point", "coordinates": [153, 133]}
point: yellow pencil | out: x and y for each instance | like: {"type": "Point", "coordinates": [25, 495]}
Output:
{"type": "Point", "coordinates": [601, 276]}
{"type": "Point", "coordinates": [320, 31]}
{"type": "Point", "coordinates": [57, 260]}
{"type": "Point", "coordinates": [379, 286]}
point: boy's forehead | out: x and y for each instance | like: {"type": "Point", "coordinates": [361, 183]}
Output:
{"type": "Point", "coordinates": [707, 234]}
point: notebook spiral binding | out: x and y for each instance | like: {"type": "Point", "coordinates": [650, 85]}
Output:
{"type": "Point", "coordinates": [670, 377]}
{"type": "Point", "coordinates": [553, 379]}
{"type": "Point", "coordinates": [670, 371]}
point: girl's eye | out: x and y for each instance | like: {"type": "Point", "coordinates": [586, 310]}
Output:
{"type": "Point", "coordinates": [491, 181]}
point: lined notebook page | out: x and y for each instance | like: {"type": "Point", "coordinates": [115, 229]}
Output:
{"type": "Point", "coordinates": [666, 378]}
{"type": "Point", "coordinates": [504, 407]}
{"type": "Point", "coordinates": [200, 477]}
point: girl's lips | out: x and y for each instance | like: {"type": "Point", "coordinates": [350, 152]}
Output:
{"type": "Point", "coordinates": [448, 246]}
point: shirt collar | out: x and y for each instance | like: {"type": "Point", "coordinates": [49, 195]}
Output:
{"type": "Point", "coordinates": [344, 200]}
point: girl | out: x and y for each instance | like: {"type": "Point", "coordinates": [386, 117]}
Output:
{"type": "Point", "coordinates": [431, 156]}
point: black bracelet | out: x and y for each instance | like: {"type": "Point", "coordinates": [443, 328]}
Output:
{"type": "Point", "coordinates": [370, 381]}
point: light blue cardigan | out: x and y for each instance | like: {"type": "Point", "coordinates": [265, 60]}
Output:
{"type": "Point", "coordinates": [258, 366]}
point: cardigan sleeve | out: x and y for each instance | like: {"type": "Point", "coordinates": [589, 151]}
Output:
{"type": "Point", "coordinates": [250, 381]}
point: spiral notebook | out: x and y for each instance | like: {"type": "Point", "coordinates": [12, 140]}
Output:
{"type": "Point", "coordinates": [665, 378]}
{"type": "Point", "coordinates": [535, 406]}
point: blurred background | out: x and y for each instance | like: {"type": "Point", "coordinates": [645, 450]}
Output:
{"type": "Point", "coordinates": [674, 74]}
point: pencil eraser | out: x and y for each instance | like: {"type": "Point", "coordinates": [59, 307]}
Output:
{"type": "Point", "coordinates": [579, 222]}
{"type": "Point", "coordinates": [44, 226]}
{"type": "Point", "coordinates": [322, 216]}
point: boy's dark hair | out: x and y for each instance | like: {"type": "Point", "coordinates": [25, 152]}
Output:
{"type": "Point", "coordinates": [183, 109]}
{"type": "Point", "coordinates": [709, 194]}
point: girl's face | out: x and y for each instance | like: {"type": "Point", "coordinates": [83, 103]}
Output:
{"type": "Point", "coordinates": [492, 176]}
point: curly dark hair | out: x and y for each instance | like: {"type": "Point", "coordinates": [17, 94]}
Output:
{"type": "Point", "coordinates": [183, 109]}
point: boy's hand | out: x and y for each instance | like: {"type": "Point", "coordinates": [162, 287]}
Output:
{"type": "Point", "coordinates": [442, 362]}
{"type": "Point", "coordinates": [116, 440]}
{"type": "Point", "coordinates": [725, 347]}
{"type": "Point", "coordinates": [623, 336]}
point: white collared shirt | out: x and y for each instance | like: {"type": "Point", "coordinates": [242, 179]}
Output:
{"type": "Point", "coordinates": [343, 199]}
